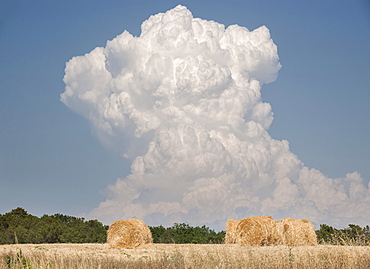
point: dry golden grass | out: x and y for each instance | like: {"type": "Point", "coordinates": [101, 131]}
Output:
{"type": "Point", "coordinates": [66, 256]}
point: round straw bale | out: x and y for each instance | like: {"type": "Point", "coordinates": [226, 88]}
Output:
{"type": "Point", "coordinates": [230, 237]}
{"type": "Point", "coordinates": [298, 232]}
{"type": "Point", "coordinates": [258, 231]}
{"type": "Point", "coordinates": [129, 233]}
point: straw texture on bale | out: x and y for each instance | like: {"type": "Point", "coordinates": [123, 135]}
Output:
{"type": "Point", "coordinates": [298, 232]}
{"type": "Point", "coordinates": [253, 231]}
{"type": "Point", "coordinates": [130, 233]}
{"type": "Point", "coordinates": [230, 236]}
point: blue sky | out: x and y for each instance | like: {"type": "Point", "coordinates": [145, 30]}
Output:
{"type": "Point", "coordinates": [50, 160]}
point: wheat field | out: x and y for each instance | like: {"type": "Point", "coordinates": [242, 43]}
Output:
{"type": "Point", "coordinates": [67, 256]}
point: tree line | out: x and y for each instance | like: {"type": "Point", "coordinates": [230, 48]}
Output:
{"type": "Point", "coordinates": [352, 235]}
{"type": "Point", "coordinates": [18, 226]}
{"type": "Point", "coordinates": [182, 233]}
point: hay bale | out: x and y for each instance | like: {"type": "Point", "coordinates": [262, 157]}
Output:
{"type": "Point", "coordinates": [230, 236]}
{"type": "Point", "coordinates": [130, 233]}
{"type": "Point", "coordinates": [298, 232]}
{"type": "Point", "coordinates": [253, 231]}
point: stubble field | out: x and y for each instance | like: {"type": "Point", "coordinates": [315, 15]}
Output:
{"type": "Point", "coordinates": [65, 256]}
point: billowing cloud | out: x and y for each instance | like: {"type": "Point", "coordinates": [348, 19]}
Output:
{"type": "Point", "coordinates": [182, 101]}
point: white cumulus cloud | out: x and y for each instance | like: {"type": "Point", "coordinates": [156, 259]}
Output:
{"type": "Point", "coordinates": [183, 102]}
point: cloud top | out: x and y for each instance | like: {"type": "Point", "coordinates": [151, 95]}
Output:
{"type": "Point", "coordinates": [183, 102]}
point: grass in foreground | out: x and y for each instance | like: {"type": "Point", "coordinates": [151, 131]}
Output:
{"type": "Point", "coordinates": [67, 256]}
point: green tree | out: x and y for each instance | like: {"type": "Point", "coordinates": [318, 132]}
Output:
{"type": "Point", "coordinates": [158, 234]}
{"type": "Point", "coordinates": [18, 212]}
{"type": "Point", "coordinates": [325, 233]}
